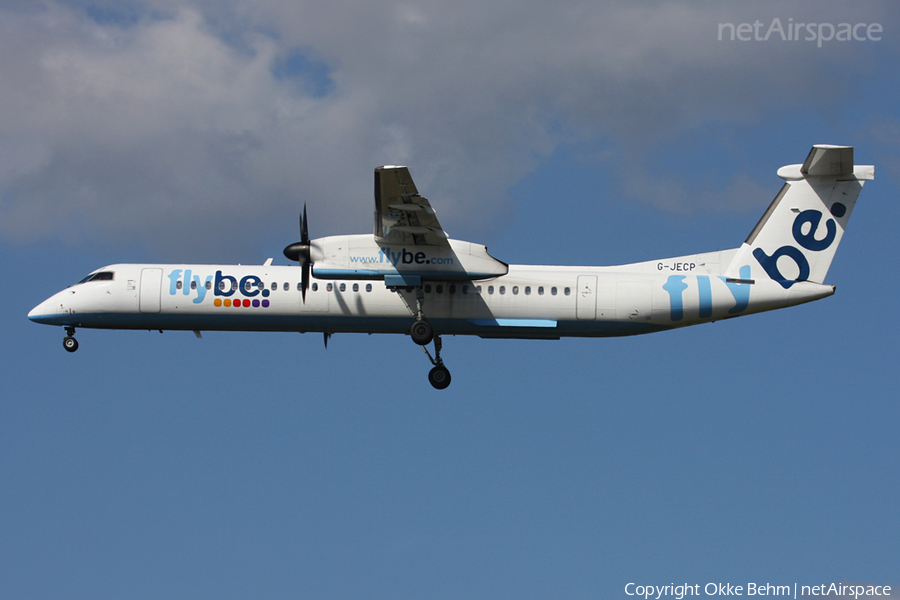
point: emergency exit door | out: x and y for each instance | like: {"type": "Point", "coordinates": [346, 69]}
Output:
{"type": "Point", "coordinates": [151, 289]}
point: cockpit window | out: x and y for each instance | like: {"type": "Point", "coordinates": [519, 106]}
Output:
{"type": "Point", "coordinates": [101, 276]}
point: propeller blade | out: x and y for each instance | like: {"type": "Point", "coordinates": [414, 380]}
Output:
{"type": "Point", "coordinates": [300, 252]}
{"type": "Point", "coordinates": [304, 279]}
{"type": "Point", "coordinates": [304, 231]}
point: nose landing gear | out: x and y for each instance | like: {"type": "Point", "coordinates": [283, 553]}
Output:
{"type": "Point", "coordinates": [69, 342]}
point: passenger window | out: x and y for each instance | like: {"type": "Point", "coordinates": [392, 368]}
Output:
{"type": "Point", "coordinates": [452, 289]}
{"type": "Point", "coordinates": [329, 287]}
{"type": "Point", "coordinates": [355, 287]}
{"type": "Point", "coordinates": [209, 285]}
{"type": "Point", "coordinates": [343, 287]}
{"type": "Point", "coordinates": [490, 289]}
{"type": "Point", "coordinates": [465, 289]}
{"type": "Point", "coordinates": [515, 289]}
{"type": "Point", "coordinates": [193, 285]}
{"type": "Point", "coordinates": [287, 286]}
{"type": "Point", "coordinates": [502, 289]}
{"type": "Point", "coordinates": [540, 290]}
{"type": "Point", "coordinates": [315, 287]}
{"type": "Point", "coordinates": [427, 288]}
{"type": "Point", "coordinates": [568, 291]}
{"type": "Point", "coordinates": [553, 291]}
{"type": "Point", "coordinates": [274, 287]}
{"type": "Point", "coordinates": [368, 287]}
{"type": "Point", "coordinates": [527, 290]}
{"type": "Point", "coordinates": [439, 289]}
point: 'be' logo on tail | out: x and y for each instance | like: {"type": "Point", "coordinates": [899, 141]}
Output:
{"type": "Point", "coordinates": [806, 240]}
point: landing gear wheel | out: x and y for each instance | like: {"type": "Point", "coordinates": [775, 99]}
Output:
{"type": "Point", "coordinates": [439, 377]}
{"type": "Point", "coordinates": [70, 343]}
{"type": "Point", "coordinates": [422, 332]}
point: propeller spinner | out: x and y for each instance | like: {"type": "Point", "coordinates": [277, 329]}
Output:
{"type": "Point", "coordinates": [299, 252]}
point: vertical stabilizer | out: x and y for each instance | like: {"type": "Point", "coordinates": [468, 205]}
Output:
{"type": "Point", "coordinates": [798, 235]}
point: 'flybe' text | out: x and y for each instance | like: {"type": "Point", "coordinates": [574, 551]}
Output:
{"type": "Point", "coordinates": [186, 283]}
{"type": "Point", "coordinates": [402, 256]}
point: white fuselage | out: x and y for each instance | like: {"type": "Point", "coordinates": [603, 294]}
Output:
{"type": "Point", "coordinates": [530, 301]}
{"type": "Point", "coordinates": [409, 277]}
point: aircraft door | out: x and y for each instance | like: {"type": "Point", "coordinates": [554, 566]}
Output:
{"type": "Point", "coordinates": [151, 289]}
{"type": "Point", "coordinates": [586, 298]}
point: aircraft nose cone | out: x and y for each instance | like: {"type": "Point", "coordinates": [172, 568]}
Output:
{"type": "Point", "coordinates": [37, 312]}
{"type": "Point", "coordinates": [43, 312]}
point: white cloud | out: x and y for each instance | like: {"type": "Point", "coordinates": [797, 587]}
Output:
{"type": "Point", "coordinates": [168, 123]}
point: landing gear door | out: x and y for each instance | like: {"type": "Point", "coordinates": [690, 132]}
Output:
{"type": "Point", "coordinates": [586, 298]}
{"type": "Point", "coordinates": [151, 289]}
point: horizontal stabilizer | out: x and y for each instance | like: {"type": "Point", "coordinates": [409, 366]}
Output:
{"type": "Point", "coordinates": [828, 161]}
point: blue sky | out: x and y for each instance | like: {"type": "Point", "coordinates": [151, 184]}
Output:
{"type": "Point", "coordinates": [761, 449]}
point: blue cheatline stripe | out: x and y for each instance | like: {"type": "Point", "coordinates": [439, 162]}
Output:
{"type": "Point", "coordinates": [513, 322]}
{"type": "Point", "coordinates": [429, 275]}
{"type": "Point", "coordinates": [346, 274]}
{"type": "Point", "coordinates": [402, 280]}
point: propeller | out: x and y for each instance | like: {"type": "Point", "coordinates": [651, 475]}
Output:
{"type": "Point", "coordinates": [299, 252]}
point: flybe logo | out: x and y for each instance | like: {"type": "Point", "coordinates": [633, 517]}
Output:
{"type": "Point", "coordinates": [740, 291]}
{"type": "Point", "coordinates": [186, 283]}
{"type": "Point", "coordinates": [401, 256]}
{"type": "Point", "coordinates": [806, 239]}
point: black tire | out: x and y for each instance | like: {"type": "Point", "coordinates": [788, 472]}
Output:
{"type": "Point", "coordinates": [70, 343]}
{"type": "Point", "coordinates": [439, 377]}
{"type": "Point", "coordinates": [422, 332]}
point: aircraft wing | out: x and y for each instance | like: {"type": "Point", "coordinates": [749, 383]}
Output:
{"type": "Point", "coordinates": [402, 216]}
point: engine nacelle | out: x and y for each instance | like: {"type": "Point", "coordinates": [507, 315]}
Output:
{"type": "Point", "coordinates": [361, 257]}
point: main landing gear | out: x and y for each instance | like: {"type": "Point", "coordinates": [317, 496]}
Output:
{"type": "Point", "coordinates": [439, 376]}
{"type": "Point", "coordinates": [69, 342]}
{"type": "Point", "coordinates": [423, 334]}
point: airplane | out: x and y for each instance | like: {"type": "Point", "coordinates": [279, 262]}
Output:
{"type": "Point", "coordinates": [411, 278]}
